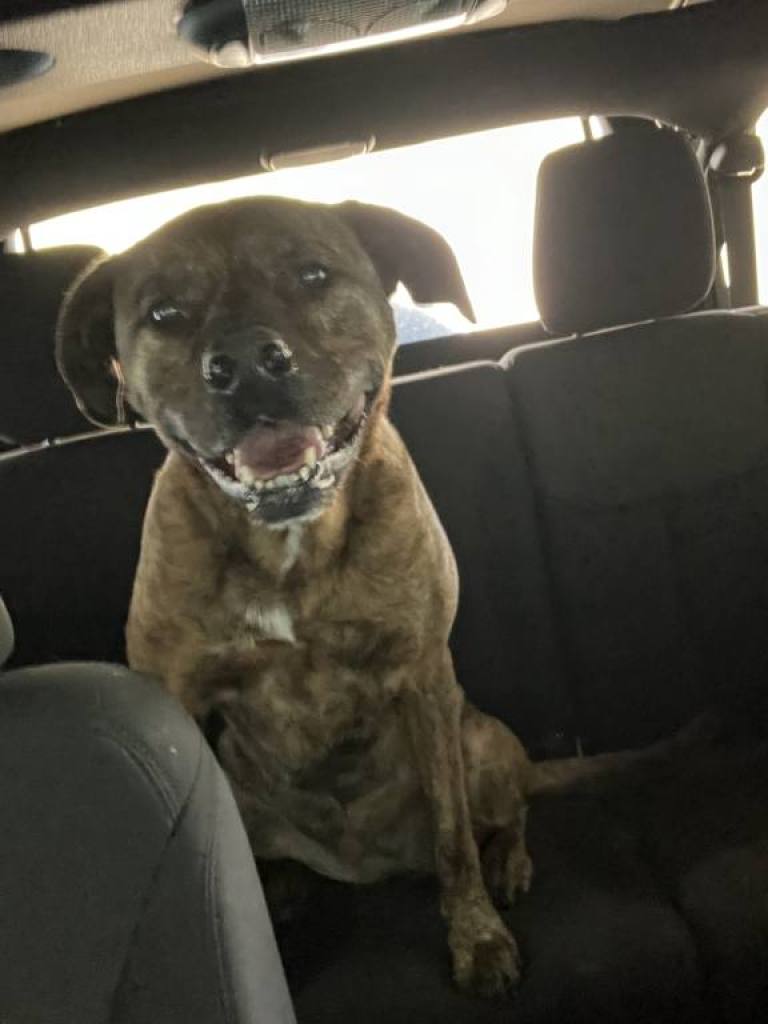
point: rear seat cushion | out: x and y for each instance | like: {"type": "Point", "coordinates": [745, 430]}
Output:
{"type": "Point", "coordinates": [638, 913]}
{"type": "Point", "coordinates": [35, 404]}
{"type": "Point", "coordinates": [649, 453]}
{"type": "Point", "coordinates": [600, 941]}
{"type": "Point", "coordinates": [702, 824]}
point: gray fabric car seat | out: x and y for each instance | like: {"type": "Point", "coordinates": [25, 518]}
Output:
{"type": "Point", "coordinates": [129, 893]}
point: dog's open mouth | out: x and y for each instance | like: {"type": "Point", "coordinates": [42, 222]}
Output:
{"type": "Point", "coordinates": [277, 458]}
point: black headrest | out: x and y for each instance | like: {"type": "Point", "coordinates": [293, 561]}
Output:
{"type": "Point", "coordinates": [35, 404]}
{"type": "Point", "coordinates": [623, 232]}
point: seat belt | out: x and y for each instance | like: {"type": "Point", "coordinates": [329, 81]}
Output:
{"type": "Point", "coordinates": [734, 165]}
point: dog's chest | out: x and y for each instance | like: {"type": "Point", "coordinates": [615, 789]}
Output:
{"type": "Point", "coordinates": [320, 712]}
{"type": "Point", "coordinates": [269, 621]}
{"type": "Point", "coordinates": [342, 775]}
{"type": "Point", "coordinates": [311, 681]}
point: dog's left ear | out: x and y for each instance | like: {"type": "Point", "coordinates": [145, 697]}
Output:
{"type": "Point", "coordinates": [85, 347]}
{"type": "Point", "coordinates": [403, 249]}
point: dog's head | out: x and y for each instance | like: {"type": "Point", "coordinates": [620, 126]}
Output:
{"type": "Point", "coordinates": [256, 337]}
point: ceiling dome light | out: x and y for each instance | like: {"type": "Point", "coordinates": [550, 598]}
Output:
{"type": "Point", "coordinates": [243, 33]}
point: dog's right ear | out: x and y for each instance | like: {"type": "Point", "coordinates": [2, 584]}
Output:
{"type": "Point", "coordinates": [404, 249]}
{"type": "Point", "coordinates": [85, 346]}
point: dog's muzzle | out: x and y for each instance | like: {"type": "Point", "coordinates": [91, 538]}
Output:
{"type": "Point", "coordinates": [281, 470]}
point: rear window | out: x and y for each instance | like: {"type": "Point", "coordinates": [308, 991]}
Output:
{"type": "Point", "coordinates": [477, 189]}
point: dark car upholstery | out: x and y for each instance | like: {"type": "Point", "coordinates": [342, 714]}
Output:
{"type": "Point", "coordinates": [605, 496]}
{"type": "Point", "coordinates": [35, 404]}
{"type": "Point", "coordinates": [647, 446]}
{"type": "Point", "coordinates": [623, 232]}
{"type": "Point", "coordinates": [73, 515]}
{"type": "Point", "coordinates": [129, 892]}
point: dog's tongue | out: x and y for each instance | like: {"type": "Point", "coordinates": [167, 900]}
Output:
{"type": "Point", "coordinates": [270, 449]}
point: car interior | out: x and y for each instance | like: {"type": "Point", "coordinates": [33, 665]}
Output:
{"type": "Point", "coordinates": [601, 473]}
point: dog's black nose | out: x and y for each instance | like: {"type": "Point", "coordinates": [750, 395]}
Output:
{"type": "Point", "coordinates": [236, 360]}
{"type": "Point", "coordinates": [220, 371]}
{"type": "Point", "coordinates": [275, 358]}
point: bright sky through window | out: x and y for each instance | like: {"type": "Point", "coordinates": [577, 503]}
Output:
{"type": "Point", "coordinates": [477, 189]}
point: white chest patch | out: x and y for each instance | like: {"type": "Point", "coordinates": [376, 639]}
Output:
{"type": "Point", "coordinates": [293, 537]}
{"type": "Point", "coordinates": [273, 622]}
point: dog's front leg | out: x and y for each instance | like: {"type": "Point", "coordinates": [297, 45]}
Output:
{"type": "Point", "coordinates": [485, 956]}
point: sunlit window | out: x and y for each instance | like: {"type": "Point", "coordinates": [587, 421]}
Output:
{"type": "Point", "coordinates": [478, 190]}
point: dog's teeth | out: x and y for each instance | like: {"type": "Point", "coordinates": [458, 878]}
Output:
{"type": "Point", "coordinates": [304, 473]}
{"type": "Point", "coordinates": [269, 485]}
{"type": "Point", "coordinates": [245, 475]}
{"type": "Point", "coordinates": [229, 458]}
{"type": "Point", "coordinates": [324, 480]}
{"type": "Point", "coordinates": [257, 485]}
{"type": "Point", "coordinates": [327, 432]}
{"type": "Point", "coordinates": [310, 456]}
{"type": "Point", "coordinates": [283, 479]}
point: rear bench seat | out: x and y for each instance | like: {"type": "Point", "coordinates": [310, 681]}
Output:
{"type": "Point", "coordinates": [71, 519]}
{"type": "Point", "coordinates": [647, 444]}
{"type": "Point", "coordinates": [648, 453]}
{"type": "Point", "coordinates": [637, 458]}
{"type": "Point", "coordinates": [462, 433]}
{"type": "Point", "coordinates": [544, 475]}
{"type": "Point", "coordinates": [74, 512]}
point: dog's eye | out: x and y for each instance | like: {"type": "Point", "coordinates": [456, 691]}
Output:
{"type": "Point", "coordinates": [314, 275]}
{"type": "Point", "coordinates": [166, 314]}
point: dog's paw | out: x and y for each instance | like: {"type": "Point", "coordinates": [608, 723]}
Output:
{"type": "Point", "coordinates": [486, 960]}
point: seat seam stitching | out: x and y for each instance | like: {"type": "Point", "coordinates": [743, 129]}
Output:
{"type": "Point", "coordinates": [149, 892]}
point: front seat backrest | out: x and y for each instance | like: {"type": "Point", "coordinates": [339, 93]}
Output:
{"type": "Point", "coordinates": [130, 894]}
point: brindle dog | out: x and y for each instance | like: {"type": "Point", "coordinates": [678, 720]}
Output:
{"type": "Point", "coordinates": [295, 583]}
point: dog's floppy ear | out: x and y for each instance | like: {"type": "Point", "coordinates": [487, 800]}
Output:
{"type": "Point", "coordinates": [403, 249]}
{"type": "Point", "coordinates": [85, 346]}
